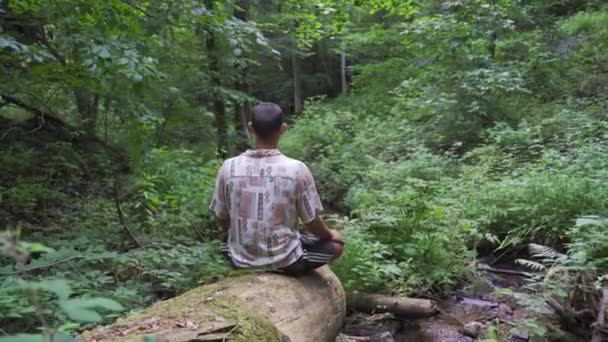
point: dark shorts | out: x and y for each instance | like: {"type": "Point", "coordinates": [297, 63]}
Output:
{"type": "Point", "coordinates": [317, 253]}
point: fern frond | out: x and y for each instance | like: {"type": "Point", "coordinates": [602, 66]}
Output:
{"type": "Point", "coordinates": [545, 252]}
{"type": "Point", "coordinates": [592, 220]}
{"type": "Point", "coordinates": [533, 265]}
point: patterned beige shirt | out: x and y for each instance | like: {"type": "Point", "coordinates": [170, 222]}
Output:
{"type": "Point", "coordinates": [263, 193]}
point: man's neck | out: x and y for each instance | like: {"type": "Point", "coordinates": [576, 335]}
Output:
{"type": "Point", "coordinates": [265, 145]}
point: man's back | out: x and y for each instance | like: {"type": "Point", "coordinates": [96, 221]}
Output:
{"type": "Point", "coordinates": [263, 193]}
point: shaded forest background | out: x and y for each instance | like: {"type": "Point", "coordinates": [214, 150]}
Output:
{"type": "Point", "coordinates": [438, 131]}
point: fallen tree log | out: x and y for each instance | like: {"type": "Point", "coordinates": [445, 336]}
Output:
{"type": "Point", "coordinates": [255, 307]}
{"type": "Point", "coordinates": [399, 306]}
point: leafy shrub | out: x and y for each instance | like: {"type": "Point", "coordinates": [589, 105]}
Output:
{"type": "Point", "coordinates": [50, 301]}
{"type": "Point", "coordinates": [174, 189]}
{"type": "Point", "coordinates": [585, 22]}
{"type": "Point", "coordinates": [364, 264]}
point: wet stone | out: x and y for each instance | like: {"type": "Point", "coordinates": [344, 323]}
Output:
{"type": "Point", "coordinates": [472, 329]}
{"type": "Point", "coordinates": [480, 303]}
{"type": "Point", "coordinates": [372, 325]}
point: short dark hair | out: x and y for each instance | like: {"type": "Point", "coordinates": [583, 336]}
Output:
{"type": "Point", "coordinates": [267, 119]}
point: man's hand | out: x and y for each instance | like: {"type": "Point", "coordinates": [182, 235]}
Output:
{"type": "Point", "coordinates": [224, 225]}
{"type": "Point", "coordinates": [335, 236]}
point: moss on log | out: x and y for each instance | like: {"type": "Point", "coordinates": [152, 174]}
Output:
{"type": "Point", "coordinates": [256, 307]}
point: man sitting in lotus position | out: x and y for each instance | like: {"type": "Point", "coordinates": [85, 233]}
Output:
{"type": "Point", "coordinates": [259, 196]}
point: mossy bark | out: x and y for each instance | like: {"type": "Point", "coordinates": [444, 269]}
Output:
{"type": "Point", "coordinates": [256, 307]}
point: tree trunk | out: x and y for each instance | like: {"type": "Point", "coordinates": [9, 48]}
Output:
{"type": "Point", "coordinates": [222, 127]}
{"type": "Point", "coordinates": [219, 108]}
{"type": "Point", "coordinates": [297, 83]}
{"type": "Point", "coordinates": [242, 111]}
{"type": "Point", "coordinates": [255, 307]}
{"type": "Point", "coordinates": [343, 71]}
{"type": "Point", "coordinates": [87, 105]}
{"type": "Point", "coordinates": [493, 36]}
{"type": "Point", "coordinates": [242, 116]}
{"type": "Point", "coordinates": [400, 306]}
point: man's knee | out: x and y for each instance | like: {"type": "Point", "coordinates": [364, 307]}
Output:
{"type": "Point", "coordinates": [338, 249]}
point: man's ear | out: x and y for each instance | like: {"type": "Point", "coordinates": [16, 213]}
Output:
{"type": "Point", "coordinates": [284, 127]}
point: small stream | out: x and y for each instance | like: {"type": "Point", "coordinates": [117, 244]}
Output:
{"type": "Point", "coordinates": [468, 312]}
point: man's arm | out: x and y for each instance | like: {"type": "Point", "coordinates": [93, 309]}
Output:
{"type": "Point", "coordinates": [218, 203]}
{"type": "Point", "coordinates": [320, 229]}
{"type": "Point", "coordinates": [309, 206]}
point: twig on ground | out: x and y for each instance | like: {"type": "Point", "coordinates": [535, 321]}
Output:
{"type": "Point", "coordinates": [8, 131]}
{"type": "Point", "coordinates": [28, 269]}
{"type": "Point", "coordinates": [231, 331]}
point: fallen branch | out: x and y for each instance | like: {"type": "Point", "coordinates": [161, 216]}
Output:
{"type": "Point", "coordinates": [121, 216]}
{"type": "Point", "coordinates": [42, 115]}
{"type": "Point", "coordinates": [54, 263]}
{"type": "Point", "coordinates": [231, 330]}
{"type": "Point", "coordinates": [399, 306]}
{"type": "Point", "coordinates": [63, 131]}
{"type": "Point", "coordinates": [487, 268]}
{"type": "Point", "coordinates": [28, 269]}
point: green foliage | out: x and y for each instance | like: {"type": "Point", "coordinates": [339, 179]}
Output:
{"type": "Point", "coordinates": [173, 188]}
{"type": "Point", "coordinates": [50, 300]}
{"type": "Point", "coordinates": [572, 277]}
{"type": "Point", "coordinates": [590, 22]}
{"type": "Point", "coordinates": [87, 269]}
{"type": "Point", "coordinates": [363, 265]}
{"type": "Point", "coordinates": [465, 142]}
{"type": "Point", "coordinates": [470, 126]}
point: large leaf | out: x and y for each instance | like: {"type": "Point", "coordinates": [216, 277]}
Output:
{"type": "Point", "coordinates": [23, 338]}
{"type": "Point", "coordinates": [82, 309]}
{"type": "Point", "coordinates": [104, 303]}
{"type": "Point", "coordinates": [36, 247]}
{"type": "Point", "coordinates": [60, 287]}
{"type": "Point", "coordinates": [78, 312]}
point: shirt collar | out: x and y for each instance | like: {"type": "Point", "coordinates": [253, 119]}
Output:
{"type": "Point", "coordinates": [261, 153]}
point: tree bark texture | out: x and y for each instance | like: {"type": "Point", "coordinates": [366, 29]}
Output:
{"type": "Point", "coordinates": [297, 83]}
{"type": "Point", "coordinates": [219, 107]}
{"type": "Point", "coordinates": [242, 110]}
{"type": "Point", "coordinates": [343, 72]}
{"type": "Point", "coordinates": [255, 307]}
{"type": "Point", "coordinates": [399, 306]}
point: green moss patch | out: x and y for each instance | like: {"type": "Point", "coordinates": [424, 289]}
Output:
{"type": "Point", "coordinates": [201, 314]}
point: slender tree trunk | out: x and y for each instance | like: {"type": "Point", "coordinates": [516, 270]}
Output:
{"type": "Point", "coordinates": [219, 108]}
{"type": "Point", "coordinates": [166, 116]}
{"type": "Point", "coordinates": [222, 127]}
{"type": "Point", "coordinates": [343, 72]}
{"type": "Point", "coordinates": [87, 105]}
{"type": "Point", "coordinates": [493, 36]}
{"type": "Point", "coordinates": [242, 111]}
{"type": "Point", "coordinates": [492, 45]}
{"type": "Point", "coordinates": [297, 83]}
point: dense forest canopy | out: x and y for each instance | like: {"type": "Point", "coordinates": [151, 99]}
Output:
{"type": "Point", "coordinates": [438, 131]}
